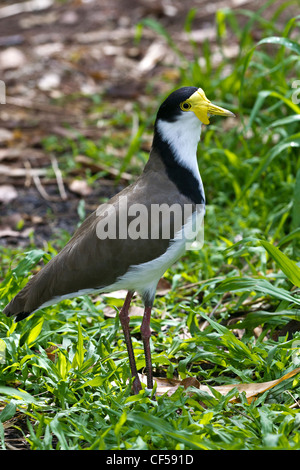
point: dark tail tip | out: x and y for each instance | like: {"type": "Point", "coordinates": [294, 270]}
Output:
{"type": "Point", "coordinates": [21, 316]}
{"type": "Point", "coordinates": [10, 311]}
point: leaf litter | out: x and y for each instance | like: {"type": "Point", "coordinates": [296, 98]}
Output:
{"type": "Point", "coordinates": [251, 390]}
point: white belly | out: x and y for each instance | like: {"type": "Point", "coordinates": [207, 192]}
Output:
{"type": "Point", "coordinates": [144, 277]}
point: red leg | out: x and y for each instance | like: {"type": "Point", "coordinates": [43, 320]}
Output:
{"type": "Point", "coordinates": [146, 333]}
{"type": "Point", "coordinates": [124, 319]}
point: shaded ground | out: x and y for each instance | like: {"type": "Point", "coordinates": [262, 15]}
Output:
{"type": "Point", "coordinates": [55, 58]}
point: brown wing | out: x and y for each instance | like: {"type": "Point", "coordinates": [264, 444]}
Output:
{"type": "Point", "coordinates": [89, 261]}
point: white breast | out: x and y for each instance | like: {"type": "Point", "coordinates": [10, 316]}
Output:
{"type": "Point", "coordinates": [183, 136]}
{"type": "Point", "coordinates": [144, 277]}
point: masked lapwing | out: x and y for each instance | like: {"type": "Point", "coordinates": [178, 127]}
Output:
{"type": "Point", "coordinates": [132, 240]}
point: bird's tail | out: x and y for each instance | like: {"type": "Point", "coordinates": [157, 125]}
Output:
{"type": "Point", "coordinates": [32, 296]}
{"type": "Point", "coordinates": [17, 307]}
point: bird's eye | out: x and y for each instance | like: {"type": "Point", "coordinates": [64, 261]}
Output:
{"type": "Point", "coordinates": [185, 106]}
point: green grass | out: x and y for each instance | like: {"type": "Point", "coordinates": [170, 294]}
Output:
{"type": "Point", "coordinates": [244, 282]}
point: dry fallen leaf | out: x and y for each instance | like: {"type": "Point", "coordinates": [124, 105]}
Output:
{"type": "Point", "coordinates": [7, 193]}
{"type": "Point", "coordinates": [51, 352]}
{"type": "Point", "coordinates": [156, 52]}
{"type": "Point", "coordinates": [80, 187]}
{"type": "Point", "coordinates": [252, 390]}
{"type": "Point", "coordinates": [163, 287]}
{"type": "Point", "coordinates": [12, 58]}
{"type": "Point", "coordinates": [49, 81]}
{"type": "Point", "coordinates": [7, 232]}
{"type": "Point", "coordinates": [5, 135]}
{"type": "Point", "coordinates": [164, 385]}
{"type": "Point", "coordinates": [134, 310]}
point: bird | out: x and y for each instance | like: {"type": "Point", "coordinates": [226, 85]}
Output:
{"type": "Point", "coordinates": [129, 242]}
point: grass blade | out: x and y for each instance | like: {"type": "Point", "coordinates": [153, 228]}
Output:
{"type": "Point", "coordinates": [288, 43]}
{"type": "Point", "coordinates": [288, 266]}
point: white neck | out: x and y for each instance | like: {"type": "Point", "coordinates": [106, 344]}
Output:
{"type": "Point", "coordinates": [183, 136]}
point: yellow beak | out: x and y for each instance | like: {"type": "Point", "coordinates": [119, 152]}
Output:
{"type": "Point", "coordinates": [203, 108]}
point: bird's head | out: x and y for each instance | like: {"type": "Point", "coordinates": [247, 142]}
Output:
{"type": "Point", "coordinates": [178, 125]}
{"type": "Point", "coordinates": [189, 100]}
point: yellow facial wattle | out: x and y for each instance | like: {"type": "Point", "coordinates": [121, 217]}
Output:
{"type": "Point", "coordinates": [202, 107]}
